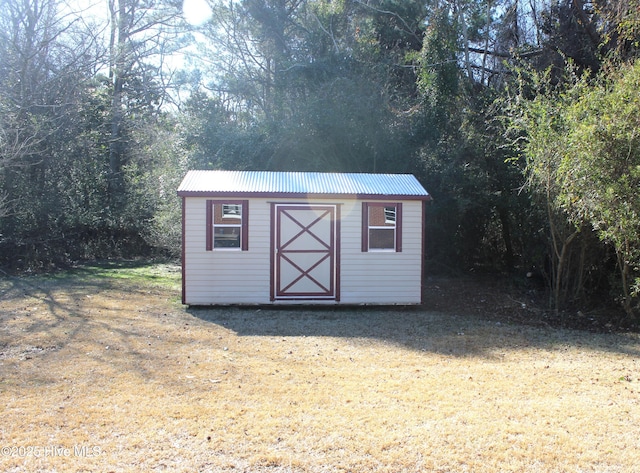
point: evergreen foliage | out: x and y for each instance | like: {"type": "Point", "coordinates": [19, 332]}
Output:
{"type": "Point", "coordinates": [519, 117]}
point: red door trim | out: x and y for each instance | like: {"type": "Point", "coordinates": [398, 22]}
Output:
{"type": "Point", "coordinates": [332, 252]}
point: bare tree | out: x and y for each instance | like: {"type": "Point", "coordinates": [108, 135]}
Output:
{"type": "Point", "coordinates": [46, 54]}
{"type": "Point", "coordinates": [142, 34]}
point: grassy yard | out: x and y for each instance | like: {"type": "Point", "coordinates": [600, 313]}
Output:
{"type": "Point", "coordinates": [102, 370]}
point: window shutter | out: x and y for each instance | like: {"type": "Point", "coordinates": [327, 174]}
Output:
{"type": "Point", "coordinates": [209, 223]}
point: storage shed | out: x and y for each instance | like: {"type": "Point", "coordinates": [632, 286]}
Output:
{"type": "Point", "coordinates": [254, 237]}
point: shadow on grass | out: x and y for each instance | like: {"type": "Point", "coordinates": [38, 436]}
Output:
{"type": "Point", "coordinates": [411, 327]}
{"type": "Point", "coordinates": [45, 313]}
{"type": "Point", "coordinates": [428, 328]}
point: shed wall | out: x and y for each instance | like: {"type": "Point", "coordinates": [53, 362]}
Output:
{"type": "Point", "coordinates": [243, 277]}
{"type": "Point", "coordinates": [382, 277]}
{"type": "Point", "coordinates": [225, 276]}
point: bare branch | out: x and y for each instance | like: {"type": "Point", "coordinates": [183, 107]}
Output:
{"type": "Point", "coordinates": [408, 29]}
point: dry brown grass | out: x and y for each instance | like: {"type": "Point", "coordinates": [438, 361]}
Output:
{"type": "Point", "coordinates": [119, 367]}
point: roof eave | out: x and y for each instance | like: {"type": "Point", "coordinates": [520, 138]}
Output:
{"type": "Point", "coordinates": [302, 195]}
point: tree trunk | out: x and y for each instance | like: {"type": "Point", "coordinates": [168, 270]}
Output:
{"type": "Point", "coordinates": [465, 38]}
{"type": "Point", "coordinates": [625, 272]}
{"type": "Point", "coordinates": [486, 44]}
{"type": "Point", "coordinates": [118, 45]}
{"type": "Point", "coordinates": [506, 237]}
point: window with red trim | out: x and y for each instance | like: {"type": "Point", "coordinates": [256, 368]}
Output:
{"type": "Point", "coordinates": [227, 224]}
{"type": "Point", "coordinates": [381, 226]}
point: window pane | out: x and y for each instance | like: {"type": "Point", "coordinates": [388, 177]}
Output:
{"type": "Point", "coordinates": [231, 211]}
{"type": "Point", "coordinates": [390, 215]}
{"type": "Point", "coordinates": [382, 238]}
{"type": "Point", "coordinates": [227, 214]}
{"type": "Point", "coordinates": [226, 237]}
{"type": "Point", "coordinates": [382, 216]}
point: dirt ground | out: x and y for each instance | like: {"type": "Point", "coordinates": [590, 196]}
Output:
{"type": "Point", "coordinates": [107, 372]}
{"type": "Point", "coordinates": [517, 301]}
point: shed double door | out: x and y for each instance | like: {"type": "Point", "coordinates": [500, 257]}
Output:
{"type": "Point", "coordinates": [304, 252]}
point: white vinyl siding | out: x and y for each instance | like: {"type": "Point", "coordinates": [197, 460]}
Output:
{"type": "Point", "coordinates": [382, 277]}
{"type": "Point", "coordinates": [226, 277]}
{"type": "Point", "coordinates": [244, 277]}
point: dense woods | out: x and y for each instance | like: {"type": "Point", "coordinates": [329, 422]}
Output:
{"type": "Point", "coordinates": [521, 118]}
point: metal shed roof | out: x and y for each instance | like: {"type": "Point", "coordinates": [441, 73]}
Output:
{"type": "Point", "coordinates": [204, 183]}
